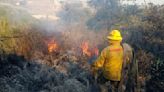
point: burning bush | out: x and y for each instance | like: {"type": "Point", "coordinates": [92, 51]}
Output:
{"type": "Point", "coordinates": [69, 50]}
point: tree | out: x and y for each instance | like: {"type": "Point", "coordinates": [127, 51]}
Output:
{"type": "Point", "coordinates": [73, 13]}
{"type": "Point", "coordinates": [108, 13]}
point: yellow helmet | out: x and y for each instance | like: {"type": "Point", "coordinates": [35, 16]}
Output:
{"type": "Point", "coordinates": [115, 35]}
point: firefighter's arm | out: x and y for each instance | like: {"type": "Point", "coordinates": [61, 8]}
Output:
{"type": "Point", "coordinates": [98, 63]}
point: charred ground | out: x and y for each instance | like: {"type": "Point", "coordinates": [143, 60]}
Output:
{"type": "Point", "coordinates": [32, 68]}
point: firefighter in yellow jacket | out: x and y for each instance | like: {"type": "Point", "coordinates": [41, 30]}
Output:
{"type": "Point", "coordinates": [111, 59]}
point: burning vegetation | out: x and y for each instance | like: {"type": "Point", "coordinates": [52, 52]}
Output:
{"type": "Point", "coordinates": [88, 51]}
{"type": "Point", "coordinates": [52, 46]}
{"type": "Point", "coordinates": [44, 55]}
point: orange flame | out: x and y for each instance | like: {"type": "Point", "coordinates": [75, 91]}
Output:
{"type": "Point", "coordinates": [85, 49]}
{"type": "Point", "coordinates": [95, 51]}
{"type": "Point", "coordinates": [52, 46]}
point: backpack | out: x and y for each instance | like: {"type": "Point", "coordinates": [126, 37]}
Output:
{"type": "Point", "coordinates": [129, 79]}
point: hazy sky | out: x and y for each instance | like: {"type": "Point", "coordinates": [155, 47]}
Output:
{"type": "Point", "coordinates": [147, 1]}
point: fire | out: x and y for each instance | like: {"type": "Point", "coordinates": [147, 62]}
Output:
{"type": "Point", "coordinates": [95, 51]}
{"type": "Point", "coordinates": [85, 49]}
{"type": "Point", "coordinates": [52, 46]}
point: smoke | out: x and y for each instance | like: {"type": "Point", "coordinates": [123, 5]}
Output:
{"type": "Point", "coordinates": [16, 16]}
{"type": "Point", "coordinates": [73, 22]}
{"type": "Point", "coordinates": [70, 23]}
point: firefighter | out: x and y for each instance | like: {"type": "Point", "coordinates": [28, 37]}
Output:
{"type": "Point", "coordinates": [110, 62]}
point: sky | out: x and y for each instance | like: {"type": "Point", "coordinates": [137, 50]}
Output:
{"type": "Point", "coordinates": [142, 1]}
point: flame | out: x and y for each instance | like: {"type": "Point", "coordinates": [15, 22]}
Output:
{"type": "Point", "coordinates": [85, 49]}
{"type": "Point", "coordinates": [52, 46]}
{"type": "Point", "coordinates": [95, 51]}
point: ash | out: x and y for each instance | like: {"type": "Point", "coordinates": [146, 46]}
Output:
{"type": "Point", "coordinates": [20, 75]}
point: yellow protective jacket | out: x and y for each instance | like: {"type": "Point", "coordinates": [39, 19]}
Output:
{"type": "Point", "coordinates": [110, 61]}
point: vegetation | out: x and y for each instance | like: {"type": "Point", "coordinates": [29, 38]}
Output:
{"type": "Point", "coordinates": [142, 27]}
{"type": "Point", "coordinates": [21, 34]}
{"type": "Point", "coordinates": [17, 30]}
